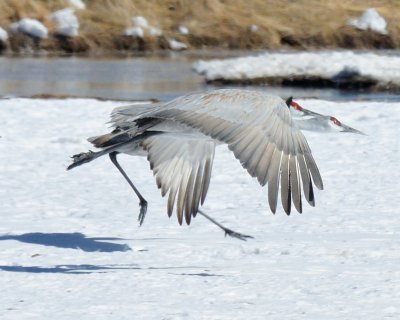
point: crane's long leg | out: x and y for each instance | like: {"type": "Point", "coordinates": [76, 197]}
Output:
{"type": "Point", "coordinates": [143, 202]}
{"type": "Point", "coordinates": [228, 232]}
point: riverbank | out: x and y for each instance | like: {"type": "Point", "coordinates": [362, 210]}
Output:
{"type": "Point", "coordinates": [340, 69]}
{"type": "Point", "coordinates": [106, 26]}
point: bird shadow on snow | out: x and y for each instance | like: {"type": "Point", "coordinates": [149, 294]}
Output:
{"type": "Point", "coordinates": [80, 241]}
{"type": "Point", "coordinates": [69, 268]}
{"type": "Point", "coordinates": [74, 240]}
{"type": "Point", "coordinates": [69, 241]}
{"type": "Point", "coordinates": [90, 268]}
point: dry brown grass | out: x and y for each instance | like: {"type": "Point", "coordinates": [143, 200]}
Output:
{"type": "Point", "coordinates": [212, 23]}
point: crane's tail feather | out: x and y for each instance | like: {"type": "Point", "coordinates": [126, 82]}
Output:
{"type": "Point", "coordinates": [109, 139]}
{"type": "Point", "coordinates": [100, 141]}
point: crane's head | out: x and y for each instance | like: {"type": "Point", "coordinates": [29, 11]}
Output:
{"type": "Point", "coordinates": [342, 127]}
{"type": "Point", "coordinates": [323, 120]}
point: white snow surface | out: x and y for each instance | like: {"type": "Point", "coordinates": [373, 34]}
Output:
{"type": "Point", "coordinates": [176, 45]}
{"type": "Point", "coordinates": [70, 246]}
{"type": "Point", "coordinates": [134, 32]}
{"type": "Point", "coordinates": [139, 21]}
{"type": "Point", "coordinates": [253, 28]}
{"type": "Point", "coordinates": [3, 35]}
{"type": "Point", "coordinates": [330, 64]}
{"type": "Point", "coordinates": [140, 27]}
{"type": "Point", "coordinates": [182, 29]}
{"type": "Point", "coordinates": [31, 27]}
{"type": "Point", "coordinates": [78, 4]}
{"type": "Point", "coordinates": [370, 20]}
{"type": "Point", "coordinates": [154, 31]}
{"type": "Point", "coordinates": [67, 22]}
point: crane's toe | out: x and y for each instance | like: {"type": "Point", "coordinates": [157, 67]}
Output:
{"type": "Point", "coordinates": [143, 211]}
{"type": "Point", "coordinates": [237, 235]}
{"type": "Point", "coordinates": [81, 158]}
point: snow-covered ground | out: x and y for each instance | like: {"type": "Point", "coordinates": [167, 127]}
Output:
{"type": "Point", "coordinates": [141, 27]}
{"type": "Point", "coordinates": [78, 4]}
{"type": "Point", "coordinates": [71, 248]}
{"type": "Point", "coordinates": [176, 45]}
{"type": "Point", "coordinates": [338, 68]}
{"type": "Point", "coordinates": [370, 20]}
{"type": "Point", "coordinates": [31, 27]}
{"type": "Point", "coordinates": [3, 35]}
{"type": "Point", "coordinates": [67, 22]}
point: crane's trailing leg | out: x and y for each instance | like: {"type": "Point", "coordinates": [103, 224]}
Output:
{"type": "Point", "coordinates": [143, 202]}
{"type": "Point", "coordinates": [228, 232]}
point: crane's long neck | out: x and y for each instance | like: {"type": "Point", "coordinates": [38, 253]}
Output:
{"type": "Point", "coordinates": [309, 120]}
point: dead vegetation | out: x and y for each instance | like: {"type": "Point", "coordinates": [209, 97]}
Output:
{"type": "Point", "coordinates": [212, 24]}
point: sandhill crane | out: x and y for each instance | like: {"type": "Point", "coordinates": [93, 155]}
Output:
{"type": "Point", "coordinates": [179, 139]}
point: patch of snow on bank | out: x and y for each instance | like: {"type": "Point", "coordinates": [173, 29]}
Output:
{"type": "Point", "coordinates": [78, 4]}
{"type": "Point", "coordinates": [253, 28]}
{"type": "Point", "coordinates": [370, 20]}
{"type": "Point", "coordinates": [383, 68]}
{"type": "Point", "coordinates": [154, 31]}
{"type": "Point", "coordinates": [67, 22]}
{"type": "Point", "coordinates": [3, 35]}
{"type": "Point", "coordinates": [31, 27]}
{"type": "Point", "coordinates": [176, 45]}
{"type": "Point", "coordinates": [134, 32]}
{"type": "Point", "coordinates": [182, 29]}
{"type": "Point", "coordinates": [140, 27]}
{"type": "Point", "coordinates": [140, 21]}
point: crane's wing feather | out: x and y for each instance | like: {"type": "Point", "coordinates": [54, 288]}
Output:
{"type": "Point", "coordinates": [126, 116]}
{"type": "Point", "coordinates": [182, 167]}
{"type": "Point", "coordinates": [259, 130]}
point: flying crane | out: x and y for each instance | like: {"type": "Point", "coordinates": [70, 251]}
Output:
{"type": "Point", "coordinates": [179, 139]}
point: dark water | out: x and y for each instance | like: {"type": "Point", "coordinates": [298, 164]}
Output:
{"type": "Point", "coordinates": [129, 78]}
{"type": "Point", "coordinates": [133, 78]}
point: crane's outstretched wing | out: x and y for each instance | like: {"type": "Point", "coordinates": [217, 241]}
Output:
{"type": "Point", "coordinates": [182, 166]}
{"type": "Point", "coordinates": [259, 130]}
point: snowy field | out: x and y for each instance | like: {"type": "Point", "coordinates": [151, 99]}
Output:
{"type": "Point", "coordinates": [71, 248]}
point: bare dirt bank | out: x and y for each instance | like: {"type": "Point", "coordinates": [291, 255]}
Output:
{"type": "Point", "coordinates": [212, 24]}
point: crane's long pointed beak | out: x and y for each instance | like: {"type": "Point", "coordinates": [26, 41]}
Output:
{"type": "Point", "coordinates": [352, 130]}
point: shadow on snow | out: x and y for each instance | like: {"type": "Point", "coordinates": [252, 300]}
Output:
{"type": "Point", "coordinates": [80, 241]}
{"type": "Point", "coordinates": [74, 240]}
{"type": "Point", "coordinates": [89, 268]}
{"type": "Point", "coordinates": [68, 269]}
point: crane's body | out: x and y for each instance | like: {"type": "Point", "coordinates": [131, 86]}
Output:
{"type": "Point", "coordinates": [179, 139]}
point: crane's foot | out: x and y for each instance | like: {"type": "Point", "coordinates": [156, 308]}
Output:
{"type": "Point", "coordinates": [228, 232]}
{"type": "Point", "coordinates": [81, 158]}
{"type": "Point", "coordinates": [237, 235]}
{"type": "Point", "coordinates": [143, 211]}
